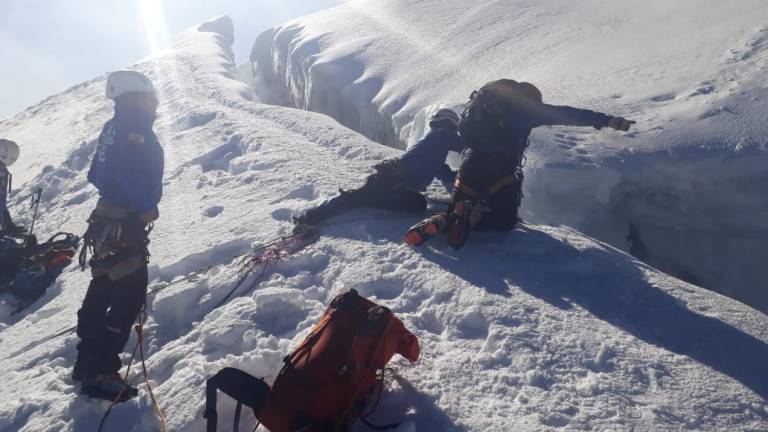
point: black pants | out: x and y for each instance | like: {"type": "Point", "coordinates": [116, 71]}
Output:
{"type": "Point", "coordinates": [104, 321]}
{"type": "Point", "coordinates": [481, 170]}
{"type": "Point", "coordinates": [10, 258]}
{"type": "Point", "coordinates": [382, 190]}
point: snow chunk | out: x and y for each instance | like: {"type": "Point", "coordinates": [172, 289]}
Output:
{"type": "Point", "coordinates": [223, 26]}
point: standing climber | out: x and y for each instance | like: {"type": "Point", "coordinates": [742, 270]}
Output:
{"type": "Point", "coordinates": [127, 169]}
{"type": "Point", "coordinates": [397, 183]}
{"type": "Point", "coordinates": [10, 250]}
{"type": "Point", "coordinates": [495, 125]}
{"type": "Point", "coordinates": [9, 153]}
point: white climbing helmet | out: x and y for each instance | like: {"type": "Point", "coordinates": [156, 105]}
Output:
{"type": "Point", "coordinates": [9, 152]}
{"type": "Point", "coordinates": [121, 82]}
{"type": "Point", "coordinates": [445, 114]}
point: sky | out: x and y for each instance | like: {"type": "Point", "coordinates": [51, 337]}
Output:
{"type": "Point", "coordinates": [47, 46]}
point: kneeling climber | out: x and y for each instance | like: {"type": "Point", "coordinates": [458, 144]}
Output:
{"type": "Point", "coordinates": [495, 125]}
{"type": "Point", "coordinates": [397, 183]}
{"type": "Point", "coordinates": [9, 153]}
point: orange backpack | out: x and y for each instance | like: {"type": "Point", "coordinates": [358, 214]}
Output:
{"type": "Point", "coordinates": [325, 383]}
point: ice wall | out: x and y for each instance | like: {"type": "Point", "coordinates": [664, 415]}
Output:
{"type": "Point", "coordinates": [687, 181]}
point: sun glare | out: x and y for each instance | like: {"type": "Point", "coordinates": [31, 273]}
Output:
{"type": "Point", "coordinates": [155, 25]}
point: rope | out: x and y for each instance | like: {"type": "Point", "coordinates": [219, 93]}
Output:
{"type": "Point", "coordinates": [156, 405]}
{"type": "Point", "coordinates": [122, 388]}
{"type": "Point", "coordinates": [268, 258]}
{"type": "Point", "coordinates": [161, 288]}
{"type": "Point", "coordinates": [206, 268]}
{"type": "Point", "coordinates": [139, 328]}
{"type": "Point", "coordinates": [276, 250]}
{"type": "Point", "coordinates": [375, 405]}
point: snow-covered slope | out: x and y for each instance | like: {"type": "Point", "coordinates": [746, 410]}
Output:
{"type": "Point", "coordinates": [689, 179]}
{"type": "Point", "coordinates": [539, 329]}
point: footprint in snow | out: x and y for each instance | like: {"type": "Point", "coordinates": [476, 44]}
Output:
{"type": "Point", "coordinates": [704, 88]}
{"type": "Point", "coordinates": [214, 211]}
{"type": "Point", "coordinates": [195, 119]}
{"type": "Point", "coordinates": [666, 97]}
{"type": "Point", "coordinates": [278, 316]}
{"type": "Point", "coordinates": [381, 289]}
{"type": "Point", "coordinates": [283, 214]}
{"type": "Point", "coordinates": [305, 193]}
{"type": "Point", "coordinates": [472, 325]}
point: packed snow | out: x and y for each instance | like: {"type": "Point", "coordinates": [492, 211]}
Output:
{"type": "Point", "coordinates": [689, 180]}
{"type": "Point", "coordinates": [542, 328]}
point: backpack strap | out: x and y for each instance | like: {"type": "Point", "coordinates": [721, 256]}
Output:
{"type": "Point", "coordinates": [383, 427]}
{"type": "Point", "coordinates": [493, 190]}
{"type": "Point", "coordinates": [379, 394]}
{"type": "Point", "coordinates": [240, 386]}
{"type": "Point", "coordinates": [210, 414]}
{"type": "Point", "coordinates": [238, 411]}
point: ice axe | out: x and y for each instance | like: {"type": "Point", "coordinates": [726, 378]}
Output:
{"type": "Point", "coordinates": [35, 204]}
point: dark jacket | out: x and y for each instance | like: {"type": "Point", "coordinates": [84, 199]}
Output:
{"type": "Point", "coordinates": [425, 161]}
{"type": "Point", "coordinates": [127, 168]}
{"type": "Point", "coordinates": [4, 178]}
{"type": "Point", "coordinates": [507, 126]}
{"type": "Point", "coordinates": [6, 223]}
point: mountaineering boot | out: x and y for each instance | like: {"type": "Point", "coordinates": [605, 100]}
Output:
{"type": "Point", "coordinates": [108, 387]}
{"type": "Point", "coordinates": [426, 229]}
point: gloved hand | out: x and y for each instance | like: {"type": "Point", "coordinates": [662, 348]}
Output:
{"type": "Point", "coordinates": [620, 123]}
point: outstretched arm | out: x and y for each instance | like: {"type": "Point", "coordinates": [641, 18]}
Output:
{"type": "Point", "coordinates": [551, 115]}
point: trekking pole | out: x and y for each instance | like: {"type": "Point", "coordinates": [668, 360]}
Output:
{"type": "Point", "coordinates": [36, 206]}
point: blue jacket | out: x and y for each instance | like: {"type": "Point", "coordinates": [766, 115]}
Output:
{"type": "Point", "coordinates": [4, 176]}
{"type": "Point", "coordinates": [426, 159]}
{"type": "Point", "coordinates": [127, 168]}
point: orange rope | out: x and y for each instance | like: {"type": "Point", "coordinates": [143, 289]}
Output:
{"type": "Point", "coordinates": [122, 388]}
{"type": "Point", "coordinates": [158, 410]}
{"type": "Point", "coordinates": [139, 347]}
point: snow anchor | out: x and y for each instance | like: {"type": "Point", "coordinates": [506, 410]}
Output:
{"type": "Point", "coordinates": [270, 255]}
